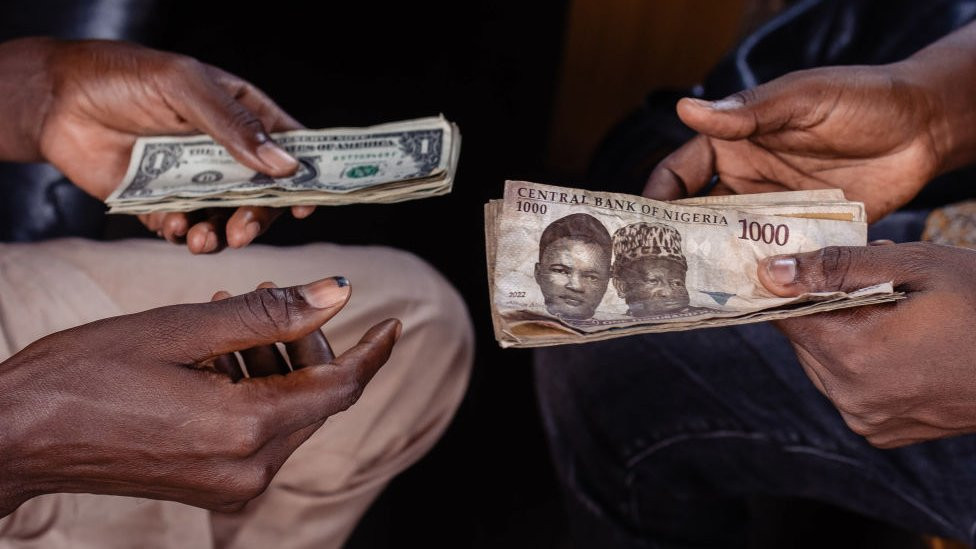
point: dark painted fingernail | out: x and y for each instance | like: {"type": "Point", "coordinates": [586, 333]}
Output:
{"type": "Point", "coordinates": [327, 293]}
{"type": "Point", "coordinates": [782, 270]}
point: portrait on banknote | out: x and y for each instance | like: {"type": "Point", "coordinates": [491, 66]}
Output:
{"type": "Point", "coordinates": [579, 260]}
{"type": "Point", "coordinates": [574, 265]}
{"type": "Point", "coordinates": [649, 269]}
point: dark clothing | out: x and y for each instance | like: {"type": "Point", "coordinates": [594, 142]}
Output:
{"type": "Point", "coordinates": [659, 440]}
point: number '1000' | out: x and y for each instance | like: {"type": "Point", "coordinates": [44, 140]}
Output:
{"type": "Point", "coordinates": [531, 207]}
{"type": "Point", "coordinates": [764, 232]}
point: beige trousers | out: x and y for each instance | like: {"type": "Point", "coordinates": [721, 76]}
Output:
{"type": "Point", "coordinates": [328, 483]}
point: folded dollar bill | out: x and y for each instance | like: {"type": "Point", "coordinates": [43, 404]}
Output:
{"type": "Point", "coordinates": [382, 164]}
{"type": "Point", "coordinates": [569, 265]}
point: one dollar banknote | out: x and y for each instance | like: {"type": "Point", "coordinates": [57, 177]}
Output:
{"type": "Point", "coordinates": [381, 164]}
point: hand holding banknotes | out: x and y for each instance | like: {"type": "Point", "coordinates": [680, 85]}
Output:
{"type": "Point", "coordinates": [569, 265]}
{"type": "Point", "coordinates": [196, 436]}
{"type": "Point", "coordinates": [82, 105]}
{"type": "Point", "coordinates": [898, 373]}
{"type": "Point", "coordinates": [870, 131]}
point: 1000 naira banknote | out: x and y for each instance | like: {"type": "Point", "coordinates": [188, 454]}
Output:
{"type": "Point", "coordinates": [568, 265]}
{"type": "Point", "coordinates": [385, 163]}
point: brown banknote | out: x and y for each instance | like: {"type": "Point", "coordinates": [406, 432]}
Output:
{"type": "Point", "coordinates": [569, 265]}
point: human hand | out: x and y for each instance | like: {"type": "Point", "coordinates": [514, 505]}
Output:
{"type": "Point", "coordinates": [146, 404]}
{"type": "Point", "coordinates": [874, 132]}
{"type": "Point", "coordinates": [98, 96]}
{"type": "Point", "coordinates": [900, 372]}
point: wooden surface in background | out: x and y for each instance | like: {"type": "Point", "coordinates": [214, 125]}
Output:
{"type": "Point", "coordinates": [617, 51]}
{"type": "Point", "coordinates": [936, 543]}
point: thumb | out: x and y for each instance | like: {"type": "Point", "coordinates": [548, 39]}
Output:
{"type": "Point", "coordinates": [833, 269]}
{"type": "Point", "coordinates": [202, 331]}
{"type": "Point", "coordinates": [205, 104]}
{"type": "Point", "coordinates": [774, 106]}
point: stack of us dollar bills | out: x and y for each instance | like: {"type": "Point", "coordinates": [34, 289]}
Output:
{"type": "Point", "coordinates": [380, 164]}
{"type": "Point", "coordinates": [570, 266]}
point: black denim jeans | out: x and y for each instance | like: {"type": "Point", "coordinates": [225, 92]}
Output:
{"type": "Point", "coordinates": [659, 440]}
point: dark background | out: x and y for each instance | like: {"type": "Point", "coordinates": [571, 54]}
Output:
{"type": "Point", "coordinates": [533, 85]}
{"type": "Point", "coordinates": [492, 69]}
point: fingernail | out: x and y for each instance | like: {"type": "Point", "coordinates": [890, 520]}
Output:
{"type": "Point", "coordinates": [210, 244]}
{"type": "Point", "coordinates": [176, 225]}
{"type": "Point", "coordinates": [782, 270]}
{"type": "Point", "coordinates": [327, 292]}
{"type": "Point", "coordinates": [220, 295]}
{"type": "Point", "coordinates": [727, 104]}
{"type": "Point", "coordinates": [276, 158]}
{"type": "Point", "coordinates": [399, 331]}
{"type": "Point", "coordinates": [301, 212]}
{"type": "Point", "coordinates": [251, 230]}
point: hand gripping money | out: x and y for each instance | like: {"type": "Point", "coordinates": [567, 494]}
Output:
{"type": "Point", "coordinates": [673, 266]}
{"type": "Point", "coordinates": [82, 105]}
{"type": "Point", "coordinates": [386, 163]}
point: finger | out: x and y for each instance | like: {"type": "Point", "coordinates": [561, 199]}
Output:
{"type": "Point", "coordinates": [841, 269]}
{"type": "Point", "coordinates": [684, 172]}
{"type": "Point", "coordinates": [205, 104]}
{"type": "Point", "coordinates": [311, 350]}
{"type": "Point", "coordinates": [310, 395]}
{"type": "Point", "coordinates": [247, 223]}
{"type": "Point", "coordinates": [202, 331]}
{"type": "Point", "coordinates": [721, 189]}
{"type": "Point", "coordinates": [301, 212]}
{"type": "Point", "coordinates": [781, 104]}
{"type": "Point", "coordinates": [175, 226]}
{"type": "Point", "coordinates": [264, 360]}
{"type": "Point", "coordinates": [227, 363]}
{"type": "Point", "coordinates": [207, 236]}
{"type": "Point", "coordinates": [273, 117]}
{"type": "Point", "coordinates": [153, 221]}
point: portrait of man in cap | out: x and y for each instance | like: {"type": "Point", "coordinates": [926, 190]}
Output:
{"type": "Point", "coordinates": [649, 269]}
{"type": "Point", "coordinates": [574, 265]}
